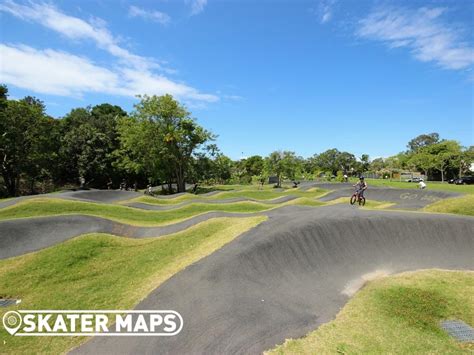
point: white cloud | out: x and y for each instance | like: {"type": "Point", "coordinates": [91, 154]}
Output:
{"type": "Point", "coordinates": [72, 75]}
{"type": "Point", "coordinates": [324, 10]}
{"type": "Point", "coordinates": [153, 15]}
{"type": "Point", "coordinates": [197, 6]}
{"type": "Point", "coordinates": [132, 74]}
{"type": "Point", "coordinates": [422, 30]}
{"type": "Point", "coordinates": [28, 68]}
{"type": "Point", "coordinates": [74, 28]}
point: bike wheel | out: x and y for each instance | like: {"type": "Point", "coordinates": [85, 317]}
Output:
{"type": "Point", "coordinates": [362, 201]}
{"type": "Point", "coordinates": [353, 199]}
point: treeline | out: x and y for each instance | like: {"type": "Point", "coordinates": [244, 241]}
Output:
{"type": "Point", "coordinates": [437, 159]}
{"type": "Point", "coordinates": [159, 143]}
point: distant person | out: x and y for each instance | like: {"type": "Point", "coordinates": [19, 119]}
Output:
{"type": "Point", "coordinates": [195, 187]}
{"type": "Point", "coordinates": [135, 186]}
{"type": "Point", "coordinates": [150, 190]}
{"type": "Point", "coordinates": [346, 179]}
{"type": "Point", "coordinates": [361, 186]}
{"type": "Point", "coordinates": [422, 184]}
{"type": "Point", "coordinates": [109, 184]}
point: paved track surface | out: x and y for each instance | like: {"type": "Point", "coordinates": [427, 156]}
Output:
{"type": "Point", "coordinates": [403, 198]}
{"type": "Point", "coordinates": [21, 236]}
{"type": "Point", "coordinates": [289, 275]}
{"type": "Point", "coordinates": [281, 279]}
{"type": "Point", "coordinates": [147, 206]}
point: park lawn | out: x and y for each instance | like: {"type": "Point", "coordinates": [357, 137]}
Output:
{"type": "Point", "coordinates": [133, 216]}
{"type": "Point", "coordinates": [396, 315]}
{"type": "Point", "coordinates": [101, 271]}
{"type": "Point", "coordinates": [463, 205]}
{"type": "Point", "coordinates": [431, 185]}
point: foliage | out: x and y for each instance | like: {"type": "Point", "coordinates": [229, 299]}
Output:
{"type": "Point", "coordinates": [28, 143]}
{"type": "Point", "coordinates": [159, 140]}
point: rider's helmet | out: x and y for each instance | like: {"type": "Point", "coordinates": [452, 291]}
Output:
{"type": "Point", "coordinates": [422, 180]}
{"type": "Point", "coordinates": [361, 178]}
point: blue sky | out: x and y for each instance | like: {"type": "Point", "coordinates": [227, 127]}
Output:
{"type": "Point", "coordinates": [362, 76]}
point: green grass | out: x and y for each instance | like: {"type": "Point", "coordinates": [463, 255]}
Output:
{"type": "Point", "coordinates": [398, 315]}
{"type": "Point", "coordinates": [134, 216]}
{"type": "Point", "coordinates": [369, 204]}
{"type": "Point", "coordinates": [431, 185]}
{"type": "Point", "coordinates": [100, 271]}
{"type": "Point", "coordinates": [250, 193]}
{"type": "Point", "coordinates": [463, 205]}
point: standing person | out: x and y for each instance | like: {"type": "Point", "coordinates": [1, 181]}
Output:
{"type": "Point", "coordinates": [422, 184]}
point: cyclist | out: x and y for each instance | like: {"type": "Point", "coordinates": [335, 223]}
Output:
{"type": "Point", "coordinates": [361, 186]}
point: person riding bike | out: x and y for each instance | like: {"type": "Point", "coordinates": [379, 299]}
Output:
{"type": "Point", "coordinates": [361, 186]}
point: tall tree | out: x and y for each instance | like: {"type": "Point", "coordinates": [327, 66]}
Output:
{"type": "Point", "coordinates": [423, 140]}
{"type": "Point", "coordinates": [27, 142]}
{"type": "Point", "coordinates": [88, 142]}
{"type": "Point", "coordinates": [160, 138]}
{"type": "Point", "coordinates": [283, 165]}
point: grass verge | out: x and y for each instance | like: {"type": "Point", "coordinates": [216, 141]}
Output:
{"type": "Point", "coordinates": [100, 271]}
{"type": "Point", "coordinates": [398, 315]}
{"type": "Point", "coordinates": [133, 216]}
{"type": "Point", "coordinates": [463, 205]}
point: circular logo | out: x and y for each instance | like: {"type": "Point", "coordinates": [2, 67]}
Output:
{"type": "Point", "coordinates": [12, 321]}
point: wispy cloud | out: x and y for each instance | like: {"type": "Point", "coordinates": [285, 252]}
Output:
{"type": "Point", "coordinates": [73, 75]}
{"type": "Point", "coordinates": [423, 31]}
{"type": "Point", "coordinates": [324, 10]}
{"type": "Point", "coordinates": [197, 6]}
{"type": "Point", "coordinates": [152, 15]}
{"type": "Point", "coordinates": [131, 74]}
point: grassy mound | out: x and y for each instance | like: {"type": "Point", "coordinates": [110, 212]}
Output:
{"type": "Point", "coordinates": [371, 204]}
{"type": "Point", "coordinates": [250, 193]}
{"type": "Point", "coordinates": [134, 216]}
{"type": "Point", "coordinates": [460, 205]}
{"type": "Point", "coordinates": [398, 314]}
{"type": "Point", "coordinates": [100, 271]}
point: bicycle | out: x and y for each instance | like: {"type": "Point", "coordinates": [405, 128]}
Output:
{"type": "Point", "coordinates": [357, 197]}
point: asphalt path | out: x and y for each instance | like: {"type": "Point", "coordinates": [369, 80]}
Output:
{"type": "Point", "coordinates": [290, 274]}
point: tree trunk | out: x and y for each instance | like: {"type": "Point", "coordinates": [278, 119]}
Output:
{"type": "Point", "coordinates": [442, 175]}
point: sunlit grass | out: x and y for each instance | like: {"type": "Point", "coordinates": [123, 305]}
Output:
{"type": "Point", "coordinates": [101, 271]}
{"type": "Point", "coordinates": [134, 216]}
{"type": "Point", "coordinates": [463, 205]}
{"type": "Point", "coordinates": [396, 315]}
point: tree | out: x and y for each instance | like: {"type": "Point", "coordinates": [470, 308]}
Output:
{"type": "Point", "coordinates": [283, 165]}
{"type": "Point", "coordinates": [423, 160]}
{"type": "Point", "coordinates": [254, 165]}
{"type": "Point", "coordinates": [27, 142]}
{"type": "Point", "coordinates": [328, 160]}
{"type": "Point", "coordinates": [160, 138]}
{"type": "Point", "coordinates": [423, 140]}
{"type": "Point", "coordinates": [365, 162]}
{"type": "Point", "coordinates": [89, 141]}
{"type": "Point", "coordinates": [377, 164]}
{"type": "Point", "coordinates": [445, 154]}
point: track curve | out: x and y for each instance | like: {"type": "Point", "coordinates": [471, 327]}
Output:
{"type": "Point", "coordinates": [289, 274]}
{"type": "Point", "coordinates": [25, 235]}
